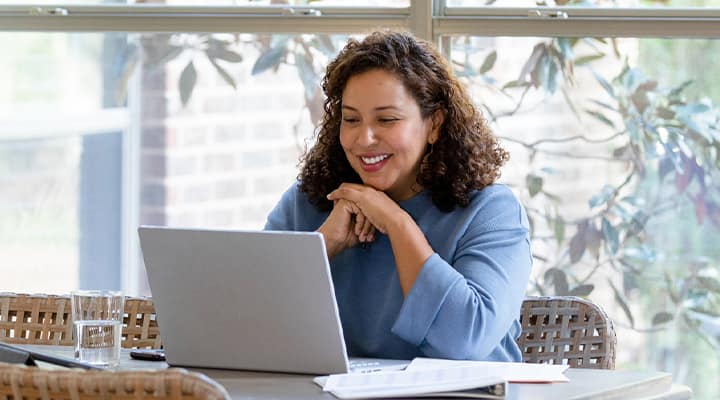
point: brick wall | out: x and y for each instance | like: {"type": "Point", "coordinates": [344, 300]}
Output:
{"type": "Point", "coordinates": [225, 158]}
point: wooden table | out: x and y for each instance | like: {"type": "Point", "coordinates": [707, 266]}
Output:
{"type": "Point", "coordinates": [584, 383]}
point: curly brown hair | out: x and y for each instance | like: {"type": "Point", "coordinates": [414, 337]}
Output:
{"type": "Point", "coordinates": [466, 155]}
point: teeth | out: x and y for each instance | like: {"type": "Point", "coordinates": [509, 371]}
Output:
{"type": "Point", "coordinates": [374, 160]}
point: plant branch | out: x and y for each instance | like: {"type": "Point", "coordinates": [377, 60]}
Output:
{"type": "Point", "coordinates": [572, 138]}
{"type": "Point", "coordinates": [530, 147]}
{"type": "Point", "coordinates": [514, 110]}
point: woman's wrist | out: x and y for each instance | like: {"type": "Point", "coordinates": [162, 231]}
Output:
{"type": "Point", "coordinates": [332, 247]}
{"type": "Point", "coordinates": [398, 223]}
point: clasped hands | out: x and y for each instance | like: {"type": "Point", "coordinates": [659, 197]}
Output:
{"type": "Point", "coordinates": [359, 211]}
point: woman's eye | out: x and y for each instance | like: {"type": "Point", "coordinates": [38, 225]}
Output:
{"type": "Point", "coordinates": [387, 120]}
{"type": "Point", "coordinates": [350, 120]}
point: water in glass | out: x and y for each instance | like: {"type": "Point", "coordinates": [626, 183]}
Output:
{"type": "Point", "coordinates": [98, 341]}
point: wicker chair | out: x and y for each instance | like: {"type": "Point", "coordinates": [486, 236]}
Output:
{"type": "Point", "coordinates": [46, 319]}
{"type": "Point", "coordinates": [566, 330]}
{"type": "Point", "coordinates": [18, 382]}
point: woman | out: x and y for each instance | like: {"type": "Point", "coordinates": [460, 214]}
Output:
{"type": "Point", "coordinates": [429, 258]}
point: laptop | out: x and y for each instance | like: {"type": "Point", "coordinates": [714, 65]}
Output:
{"type": "Point", "coordinates": [251, 300]}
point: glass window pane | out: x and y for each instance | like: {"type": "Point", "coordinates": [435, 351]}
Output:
{"type": "Point", "coordinates": [615, 150]}
{"type": "Point", "coordinates": [51, 108]}
{"type": "Point", "coordinates": [221, 120]}
{"type": "Point", "coordinates": [585, 3]}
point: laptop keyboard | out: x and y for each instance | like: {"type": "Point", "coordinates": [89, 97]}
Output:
{"type": "Point", "coordinates": [361, 364]}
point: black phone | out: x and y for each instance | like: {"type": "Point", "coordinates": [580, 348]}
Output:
{"type": "Point", "coordinates": [148, 354]}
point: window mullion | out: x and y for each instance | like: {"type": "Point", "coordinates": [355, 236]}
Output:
{"type": "Point", "coordinates": [579, 22]}
{"type": "Point", "coordinates": [199, 19]}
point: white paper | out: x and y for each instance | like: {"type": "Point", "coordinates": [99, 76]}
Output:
{"type": "Point", "coordinates": [419, 389]}
{"type": "Point", "coordinates": [421, 377]}
{"type": "Point", "coordinates": [509, 371]}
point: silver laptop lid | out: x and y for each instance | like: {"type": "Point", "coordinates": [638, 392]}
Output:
{"type": "Point", "coordinates": [244, 299]}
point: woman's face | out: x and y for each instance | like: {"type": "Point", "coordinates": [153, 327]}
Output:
{"type": "Point", "coordinates": [382, 132]}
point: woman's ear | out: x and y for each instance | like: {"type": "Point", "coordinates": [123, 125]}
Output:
{"type": "Point", "coordinates": [438, 118]}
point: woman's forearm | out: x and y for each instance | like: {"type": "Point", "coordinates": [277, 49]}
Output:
{"type": "Point", "coordinates": [410, 248]}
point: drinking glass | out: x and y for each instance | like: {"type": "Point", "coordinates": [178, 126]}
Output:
{"type": "Point", "coordinates": [97, 325]}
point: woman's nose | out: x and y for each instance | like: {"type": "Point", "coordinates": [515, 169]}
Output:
{"type": "Point", "coordinates": [366, 136]}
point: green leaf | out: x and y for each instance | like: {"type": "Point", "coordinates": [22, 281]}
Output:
{"type": "Point", "coordinates": [514, 84]}
{"type": "Point", "coordinates": [552, 73]}
{"type": "Point", "coordinates": [307, 74]}
{"type": "Point", "coordinates": [605, 194]}
{"type": "Point", "coordinates": [559, 280]}
{"type": "Point", "coordinates": [611, 236]}
{"type": "Point", "coordinates": [671, 291]}
{"type": "Point", "coordinates": [609, 89]}
{"type": "Point", "coordinates": [559, 229]}
{"type": "Point", "coordinates": [648, 86]}
{"type": "Point", "coordinates": [593, 240]}
{"type": "Point", "coordinates": [225, 55]}
{"type": "Point", "coordinates": [188, 78]}
{"type": "Point", "coordinates": [582, 290]}
{"type": "Point", "coordinates": [218, 49]}
{"type": "Point", "coordinates": [540, 73]}
{"type": "Point", "coordinates": [223, 73]}
{"type": "Point", "coordinates": [640, 100]}
{"type": "Point", "coordinates": [661, 318]}
{"type": "Point", "coordinates": [577, 243]}
{"type": "Point", "coordinates": [534, 184]}
{"type": "Point", "coordinates": [621, 151]}
{"type": "Point", "coordinates": [665, 113]}
{"type": "Point", "coordinates": [633, 130]}
{"type": "Point", "coordinates": [620, 299]}
{"type": "Point", "coordinates": [268, 59]}
{"type": "Point", "coordinates": [588, 59]}
{"type": "Point", "coordinates": [604, 105]}
{"type": "Point", "coordinates": [709, 283]}
{"type": "Point", "coordinates": [600, 117]}
{"type": "Point", "coordinates": [624, 214]}
{"type": "Point", "coordinates": [531, 65]}
{"type": "Point", "coordinates": [325, 44]}
{"type": "Point", "coordinates": [159, 55]}
{"type": "Point", "coordinates": [632, 78]}
{"type": "Point", "coordinates": [565, 46]}
{"type": "Point", "coordinates": [678, 89]}
{"type": "Point", "coordinates": [489, 62]}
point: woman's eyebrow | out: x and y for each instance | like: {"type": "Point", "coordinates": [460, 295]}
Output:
{"type": "Point", "coordinates": [381, 108]}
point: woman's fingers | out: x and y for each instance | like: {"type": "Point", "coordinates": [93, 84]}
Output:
{"type": "Point", "coordinates": [370, 236]}
{"type": "Point", "coordinates": [360, 221]}
{"type": "Point", "coordinates": [362, 228]}
{"type": "Point", "coordinates": [367, 229]}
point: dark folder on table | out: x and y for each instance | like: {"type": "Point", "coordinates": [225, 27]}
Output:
{"type": "Point", "coordinates": [18, 355]}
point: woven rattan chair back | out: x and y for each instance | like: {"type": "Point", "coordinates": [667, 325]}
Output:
{"type": "Point", "coordinates": [566, 330]}
{"type": "Point", "coordinates": [18, 382]}
{"type": "Point", "coordinates": [46, 319]}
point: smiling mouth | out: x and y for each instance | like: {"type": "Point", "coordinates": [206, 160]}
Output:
{"type": "Point", "coordinates": [375, 159]}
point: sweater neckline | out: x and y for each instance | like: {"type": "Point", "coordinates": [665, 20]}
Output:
{"type": "Point", "coordinates": [413, 202]}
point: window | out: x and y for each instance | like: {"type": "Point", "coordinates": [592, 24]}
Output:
{"type": "Point", "coordinates": [609, 110]}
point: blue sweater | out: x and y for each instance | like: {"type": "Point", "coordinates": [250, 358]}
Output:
{"type": "Point", "coordinates": [465, 303]}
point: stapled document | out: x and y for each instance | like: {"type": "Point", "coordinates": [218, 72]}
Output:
{"type": "Point", "coordinates": [444, 378]}
{"type": "Point", "coordinates": [509, 371]}
{"type": "Point", "coordinates": [421, 382]}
